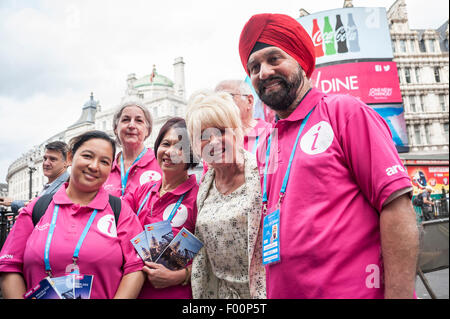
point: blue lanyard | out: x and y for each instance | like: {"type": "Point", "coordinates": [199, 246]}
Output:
{"type": "Point", "coordinates": [145, 199]}
{"type": "Point", "coordinates": [50, 236]}
{"type": "Point", "coordinates": [124, 175]}
{"type": "Point", "coordinates": [288, 170]}
{"type": "Point", "coordinates": [174, 209]}
{"type": "Point", "coordinates": [255, 146]}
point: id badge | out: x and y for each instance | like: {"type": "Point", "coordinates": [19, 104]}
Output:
{"type": "Point", "coordinates": [271, 238]}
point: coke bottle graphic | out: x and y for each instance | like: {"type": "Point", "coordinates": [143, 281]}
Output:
{"type": "Point", "coordinates": [352, 34]}
{"type": "Point", "coordinates": [341, 36]}
{"type": "Point", "coordinates": [328, 38]}
{"type": "Point", "coordinates": [317, 39]}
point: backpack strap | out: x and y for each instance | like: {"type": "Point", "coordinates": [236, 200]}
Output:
{"type": "Point", "coordinates": [42, 203]}
{"type": "Point", "coordinates": [116, 206]}
{"type": "Point", "coordinates": [40, 207]}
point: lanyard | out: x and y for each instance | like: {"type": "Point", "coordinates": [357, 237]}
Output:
{"type": "Point", "coordinates": [124, 175]}
{"type": "Point", "coordinates": [255, 146]}
{"type": "Point", "coordinates": [174, 209]}
{"type": "Point", "coordinates": [288, 170]}
{"type": "Point", "coordinates": [51, 230]}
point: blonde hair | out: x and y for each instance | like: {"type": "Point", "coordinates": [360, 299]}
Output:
{"type": "Point", "coordinates": [207, 109]}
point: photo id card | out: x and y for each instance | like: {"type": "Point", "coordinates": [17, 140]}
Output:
{"type": "Point", "coordinates": [271, 238]}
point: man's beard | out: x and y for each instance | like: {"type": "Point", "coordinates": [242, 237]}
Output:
{"type": "Point", "coordinates": [283, 98]}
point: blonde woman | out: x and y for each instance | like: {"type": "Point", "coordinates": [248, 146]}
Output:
{"type": "Point", "coordinates": [229, 203]}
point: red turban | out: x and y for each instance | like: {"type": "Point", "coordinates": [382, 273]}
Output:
{"type": "Point", "coordinates": [281, 31]}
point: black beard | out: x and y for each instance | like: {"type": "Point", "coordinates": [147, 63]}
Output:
{"type": "Point", "coordinates": [282, 99]}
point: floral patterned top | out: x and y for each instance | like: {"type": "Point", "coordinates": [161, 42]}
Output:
{"type": "Point", "coordinates": [229, 265]}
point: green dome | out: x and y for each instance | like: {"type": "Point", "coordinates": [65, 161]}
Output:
{"type": "Point", "coordinates": [153, 79]}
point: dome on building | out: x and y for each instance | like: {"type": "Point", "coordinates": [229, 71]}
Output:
{"type": "Point", "coordinates": [153, 79]}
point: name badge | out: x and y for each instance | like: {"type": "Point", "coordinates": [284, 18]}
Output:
{"type": "Point", "coordinates": [271, 238]}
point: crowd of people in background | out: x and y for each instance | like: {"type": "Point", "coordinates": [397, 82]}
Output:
{"type": "Point", "coordinates": [298, 208]}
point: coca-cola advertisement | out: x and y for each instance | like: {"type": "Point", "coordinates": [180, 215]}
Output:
{"type": "Point", "coordinates": [349, 33]}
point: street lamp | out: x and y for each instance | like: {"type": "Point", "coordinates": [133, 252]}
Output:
{"type": "Point", "coordinates": [31, 169]}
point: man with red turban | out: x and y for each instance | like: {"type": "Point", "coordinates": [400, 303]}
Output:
{"type": "Point", "coordinates": [333, 183]}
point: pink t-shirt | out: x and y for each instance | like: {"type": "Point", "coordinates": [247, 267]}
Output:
{"type": "Point", "coordinates": [106, 252]}
{"type": "Point", "coordinates": [157, 209]}
{"type": "Point", "coordinates": [345, 167]}
{"type": "Point", "coordinates": [143, 171]}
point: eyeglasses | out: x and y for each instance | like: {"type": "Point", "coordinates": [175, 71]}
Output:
{"type": "Point", "coordinates": [236, 94]}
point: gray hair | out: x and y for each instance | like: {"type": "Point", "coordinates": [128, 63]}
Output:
{"type": "Point", "coordinates": [118, 114]}
{"type": "Point", "coordinates": [242, 86]}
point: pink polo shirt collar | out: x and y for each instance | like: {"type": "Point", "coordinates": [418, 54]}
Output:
{"type": "Point", "coordinates": [310, 100]}
{"type": "Point", "coordinates": [99, 202]}
{"type": "Point", "coordinates": [145, 160]}
{"type": "Point", "coordinates": [181, 189]}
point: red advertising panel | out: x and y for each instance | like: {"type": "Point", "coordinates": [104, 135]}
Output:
{"type": "Point", "coordinates": [372, 82]}
{"type": "Point", "coordinates": [435, 176]}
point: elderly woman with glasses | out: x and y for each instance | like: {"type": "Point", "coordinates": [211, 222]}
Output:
{"type": "Point", "coordinates": [229, 203]}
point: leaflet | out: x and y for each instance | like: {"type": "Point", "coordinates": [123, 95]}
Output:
{"type": "Point", "coordinates": [180, 251]}
{"type": "Point", "coordinates": [83, 286]}
{"type": "Point", "coordinates": [45, 289]}
{"type": "Point", "coordinates": [141, 245]}
{"type": "Point", "coordinates": [71, 286]}
{"type": "Point", "coordinates": [159, 235]}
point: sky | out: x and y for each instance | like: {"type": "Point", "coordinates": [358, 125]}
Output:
{"type": "Point", "coordinates": [53, 54]}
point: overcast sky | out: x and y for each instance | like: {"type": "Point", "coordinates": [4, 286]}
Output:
{"type": "Point", "coordinates": [54, 53]}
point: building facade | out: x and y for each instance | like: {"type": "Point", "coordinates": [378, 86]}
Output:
{"type": "Point", "coordinates": [163, 97]}
{"type": "Point", "coordinates": [422, 57]}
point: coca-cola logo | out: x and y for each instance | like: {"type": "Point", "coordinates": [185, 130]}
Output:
{"type": "Point", "coordinates": [328, 37]}
{"type": "Point", "coordinates": [317, 38]}
{"type": "Point", "coordinates": [340, 34]}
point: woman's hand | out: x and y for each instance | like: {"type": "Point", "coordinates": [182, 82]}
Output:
{"type": "Point", "coordinates": [161, 277]}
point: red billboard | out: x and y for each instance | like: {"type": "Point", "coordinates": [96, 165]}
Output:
{"type": "Point", "coordinates": [435, 176]}
{"type": "Point", "coordinates": [372, 82]}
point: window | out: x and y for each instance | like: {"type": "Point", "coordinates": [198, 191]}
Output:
{"type": "Point", "coordinates": [428, 133]}
{"type": "Point", "coordinates": [422, 46]}
{"type": "Point", "coordinates": [402, 46]}
{"type": "Point", "coordinates": [421, 106]}
{"type": "Point", "coordinates": [155, 112]}
{"type": "Point", "coordinates": [446, 132]}
{"type": "Point", "coordinates": [442, 102]}
{"type": "Point", "coordinates": [393, 45]}
{"type": "Point", "coordinates": [411, 46]}
{"type": "Point", "coordinates": [417, 135]}
{"type": "Point", "coordinates": [437, 75]}
{"type": "Point", "coordinates": [399, 71]}
{"type": "Point", "coordinates": [412, 104]}
{"type": "Point", "coordinates": [431, 45]}
{"type": "Point", "coordinates": [408, 75]}
{"type": "Point", "coordinates": [417, 71]}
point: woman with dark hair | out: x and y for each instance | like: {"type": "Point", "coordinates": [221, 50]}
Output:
{"type": "Point", "coordinates": [172, 198]}
{"type": "Point", "coordinates": [136, 164]}
{"type": "Point", "coordinates": [78, 233]}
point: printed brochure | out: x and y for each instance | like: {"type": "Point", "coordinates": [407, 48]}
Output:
{"type": "Point", "coordinates": [180, 251]}
{"type": "Point", "coordinates": [159, 235]}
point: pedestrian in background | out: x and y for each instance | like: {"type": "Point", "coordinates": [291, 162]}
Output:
{"type": "Point", "coordinates": [55, 166]}
{"type": "Point", "coordinates": [229, 203]}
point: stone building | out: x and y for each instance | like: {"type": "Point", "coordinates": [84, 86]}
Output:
{"type": "Point", "coordinates": [422, 60]}
{"type": "Point", "coordinates": [163, 97]}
